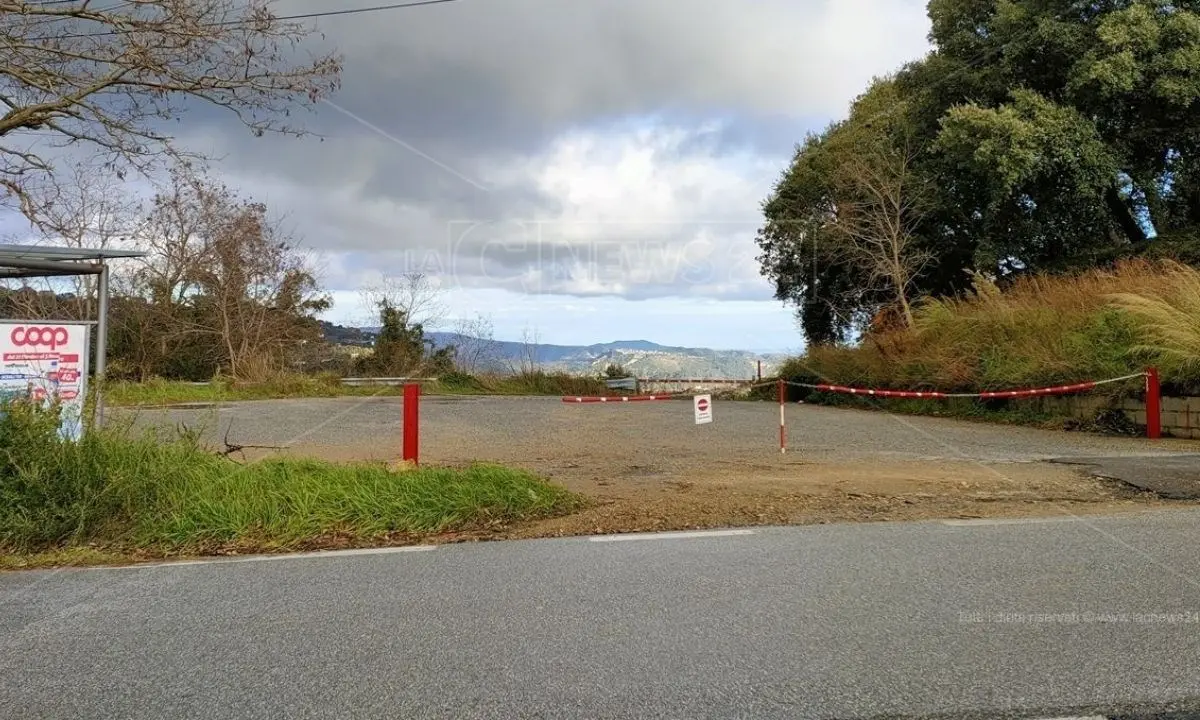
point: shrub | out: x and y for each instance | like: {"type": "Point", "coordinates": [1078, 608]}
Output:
{"type": "Point", "coordinates": [1169, 316]}
{"type": "Point", "coordinates": [1041, 330]}
{"type": "Point", "coordinates": [1038, 331]}
{"type": "Point", "coordinates": [614, 371]}
{"type": "Point", "coordinates": [532, 382]}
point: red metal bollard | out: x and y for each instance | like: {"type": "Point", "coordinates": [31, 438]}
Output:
{"type": "Point", "coordinates": [1153, 405]}
{"type": "Point", "coordinates": [411, 429]}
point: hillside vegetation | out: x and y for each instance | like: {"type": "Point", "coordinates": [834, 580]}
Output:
{"type": "Point", "coordinates": [1043, 330]}
{"type": "Point", "coordinates": [1035, 137]}
{"type": "Point", "coordinates": [159, 392]}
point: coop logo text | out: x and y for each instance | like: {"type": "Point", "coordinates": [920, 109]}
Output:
{"type": "Point", "coordinates": [51, 337]}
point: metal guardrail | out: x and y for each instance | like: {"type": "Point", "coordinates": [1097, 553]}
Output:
{"type": "Point", "coordinates": [634, 383]}
{"type": "Point", "coordinates": [704, 381]}
{"type": "Point", "coordinates": [622, 383]}
{"type": "Point", "coordinates": [355, 382]}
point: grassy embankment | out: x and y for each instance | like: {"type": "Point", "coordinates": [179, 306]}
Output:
{"type": "Point", "coordinates": [159, 392]}
{"type": "Point", "coordinates": [114, 496]}
{"type": "Point", "coordinates": [1040, 331]}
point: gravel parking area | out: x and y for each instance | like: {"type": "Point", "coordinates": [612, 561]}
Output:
{"type": "Point", "coordinates": [649, 467]}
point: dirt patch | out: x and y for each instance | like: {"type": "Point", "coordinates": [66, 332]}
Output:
{"type": "Point", "coordinates": [650, 467]}
{"type": "Point", "coordinates": [805, 493]}
{"type": "Point", "coordinates": [646, 496]}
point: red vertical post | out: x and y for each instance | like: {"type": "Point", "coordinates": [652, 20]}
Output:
{"type": "Point", "coordinates": [1153, 405]}
{"type": "Point", "coordinates": [412, 422]}
{"type": "Point", "coordinates": [782, 420]}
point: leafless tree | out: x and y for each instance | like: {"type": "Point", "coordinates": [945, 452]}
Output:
{"type": "Point", "coordinates": [529, 362]}
{"type": "Point", "coordinates": [258, 296]}
{"type": "Point", "coordinates": [91, 210]}
{"type": "Point", "coordinates": [475, 344]}
{"type": "Point", "coordinates": [152, 318]}
{"type": "Point", "coordinates": [880, 200]}
{"type": "Point", "coordinates": [109, 76]}
{"type": "Point", "coordinates": [221, 284]}
{"type": "Point", "coordinates": [417, 295]}
{"type": "Point", "coordinates": [30, 301]}
{"type": "Point", "coordinates": [179, 233]}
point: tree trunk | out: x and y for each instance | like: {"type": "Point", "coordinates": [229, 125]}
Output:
{"type": "Point", "coordinates": [1193, 204]}
{"type": "Point", "coordinates": [1123, 214]}
{"type": "Point", "coordinates": [905, 308]}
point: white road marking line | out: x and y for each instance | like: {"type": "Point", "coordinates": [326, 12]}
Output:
{"type": "Point", "coordinates": [625, 537]}
{"type": "Point", "coordinates": [270, 558]}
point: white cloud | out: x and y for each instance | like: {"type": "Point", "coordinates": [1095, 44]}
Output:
{"type": "Point", "coordinates": [554, 154]}
{"type": "Point", "coordinates": [646, 212]}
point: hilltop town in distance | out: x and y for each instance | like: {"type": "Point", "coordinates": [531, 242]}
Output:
{"type": "Point", "coordinates": [639, 358]}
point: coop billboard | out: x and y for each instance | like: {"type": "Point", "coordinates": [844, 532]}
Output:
{"type": "Point", "coordinates": [46, 361]}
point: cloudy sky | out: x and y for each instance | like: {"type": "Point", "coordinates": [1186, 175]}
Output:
{"type": "Point", "coordinates": [586, 170]}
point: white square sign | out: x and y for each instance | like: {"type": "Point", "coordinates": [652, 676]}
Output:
{"type": "Point", "coordinates": [703, 407]}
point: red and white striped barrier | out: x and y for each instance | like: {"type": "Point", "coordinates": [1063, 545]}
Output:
{"type": "Point", "coordinates": [1031, 392]}
{"type": "Point", "coordinates": [1153, 419]}
{"type": "Point", "coordinates": [986, 394]}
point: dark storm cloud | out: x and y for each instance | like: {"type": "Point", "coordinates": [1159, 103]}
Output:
{"type": "Point", "coordinates": [440, 148]}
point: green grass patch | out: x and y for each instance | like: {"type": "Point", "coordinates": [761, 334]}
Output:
{"type": "Point", "coordinates": [527, 383]}
{"type": "Point", "coordinates": [157, 392]}
{"type": "Point", "coordinates": [115, 492]}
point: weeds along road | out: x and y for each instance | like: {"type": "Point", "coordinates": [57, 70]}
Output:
{"type": "Point", "coordinates": [649, 467]}
{"type": "Point", "coordinates": [1070, 617]}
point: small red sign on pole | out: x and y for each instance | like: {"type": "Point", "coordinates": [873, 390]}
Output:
{"type": "Point", "coordinates": [411, 429]}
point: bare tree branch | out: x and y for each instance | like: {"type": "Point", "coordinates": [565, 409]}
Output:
{"type": "Point", "coordinates": [415, 294]}
{"type": "Point", "coordinates": [475, 345]}
{"type": "Point", "coordinates": [110, 78]}
{"type": "Point", "coordinates": [879, 206]}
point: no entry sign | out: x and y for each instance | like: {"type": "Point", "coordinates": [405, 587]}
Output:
{"type": "Point", "coordinates": [703, 407]}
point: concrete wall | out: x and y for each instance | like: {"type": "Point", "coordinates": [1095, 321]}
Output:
{"type": "Point", "coordinates": [1180, 416]}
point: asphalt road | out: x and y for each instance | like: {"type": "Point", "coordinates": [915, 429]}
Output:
{"type": "Point", "coordinates": [859, 621]}
{"type": "Point", "coordinates": [506, 428]}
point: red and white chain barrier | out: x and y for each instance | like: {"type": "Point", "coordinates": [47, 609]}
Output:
{"type": "Point", "coordinates": [1153, 400]}
{"type": "Point", "coordinates": [984, 395]}
{"type": "Point", "coordinates": [1153, 418]}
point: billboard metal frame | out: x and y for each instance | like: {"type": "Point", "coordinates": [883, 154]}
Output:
{"type": "Point", "coordinates": [32, 261]}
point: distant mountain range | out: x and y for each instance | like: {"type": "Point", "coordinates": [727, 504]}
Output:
{"type": "Point", "coordinates": [641, 358]}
